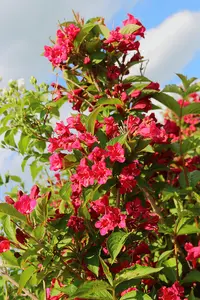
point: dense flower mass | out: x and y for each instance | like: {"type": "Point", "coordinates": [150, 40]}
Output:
{"type": "Point", "coordinates": [119, 216]}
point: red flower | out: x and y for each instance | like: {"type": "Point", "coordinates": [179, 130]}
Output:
{"type": "Point", "coordinates": [112, 218]}
{"type": "Point", "coordinates": [86, 60]}
{"type": "Point", "coordinates": [98, 207]}
{"type": "Point", "coordinates": [4, 244]}
{"type": "Point", "coordinates": [84, 175]}
{"type": "Point", "coordinates": [111, 127]}
{"type": "Point", "coordinates": [132, 20]}
{"type": "Point", "coordinates": [128, 291]}
{"type": "Point", "coordinates": [97, 154]}
{"type": "Point", "coordinates": [116, 153]}
{"type": "Point", "coordinates": [56, 161]}
{"type": "Point", "coordinates": [175, 292]}
{"type": "Point", "coordinates": [25, 205]}
{"type": "Point", "coordinates": [62, 129]}
{"type": "Point", "coordinates": [113, 72]}
{"type": "Point", "coordinates": [56, 54]}
{"type": "Point", "coordinates": [87, 138]}
{"type": "Point", "coordinates": [193, 253]}
{"type": "Point", "coordinates": [101, 172]}
{"type": "Point", "coordinates": [75, 123]}
{"type": "Point", "coordinates": [34, 192]}
{"type": "Point", "coordinates": [76, 223]}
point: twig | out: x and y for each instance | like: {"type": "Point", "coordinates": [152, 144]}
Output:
{"type": "Point", "coordinates": [7, 277]}
{"type": "Point", "coordinates": [153, 204]}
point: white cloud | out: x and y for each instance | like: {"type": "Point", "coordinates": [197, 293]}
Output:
{"type": "Point", "coordinates": [171, 45]}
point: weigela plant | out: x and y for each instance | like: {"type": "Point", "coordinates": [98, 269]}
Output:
{"type": "Point", "coordinates": [120, 218]}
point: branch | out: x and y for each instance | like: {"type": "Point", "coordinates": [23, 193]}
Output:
{"type": "Point", "coordinates": [7, 277]}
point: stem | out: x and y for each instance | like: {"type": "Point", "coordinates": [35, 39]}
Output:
{"type": "Point", "coordinates": [153, 204]}
{"type": "Point", "coordinates": [7, 277]}
{"type": "Point", "coordinates": [118, 198]}
{"type": "Point", "coordinates": [176, 258]}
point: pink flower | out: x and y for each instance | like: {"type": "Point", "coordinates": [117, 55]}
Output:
{"type": "Point", "coordinates": [9, 200]}
{"type": "Point", "coordinates": [69, 143]}
{"type": "Point", "coordinates": [62, 129]}
{"type": "Point", "coordinates": [84, 175]}
{"type": "Point", "coordinates": [76, 223]}
{"type": "Point", "coordinates": [34, 192]}
{"type": "Point", "coordinates": [86, 60]}
{"type": "Point", "coordinates": [132, 20]}
{"type": "Point", "coordinates": [4, 244]}
{"type": "Point", "coordinates": [116, 153]}
{"type": "Point", "coordinates": [134, 208]}
{"type": "Point", "coordinates": [132, 123]}
{"type": "Point", "coordinates": [87, 138]}
{"type": "Point", "coordinates": [56, 161]}
{"type": "Point", "coordinates": [25, 205]}
{"type": "Point", "coordinates": [127, 177]}
{"type": "Point", "coordinates": [72, 31]}
{"type": "Point", "coordinates": [98, 207]}
{"type": "Point", "coordinates": [112, 218]}
{"type": "Point", "coordinates": [54, 144]}
{"type": "Point", "coordinates": [101, 172]}
{"type": "Point", "coordinates": [75, 123]}
{"type": "Point", "coordinates": [113, 72]}
{"type": "Point", "coordinates": [56, 54]}
{"type": "Point", "coordinates": [136, 93]}
{"type": "Point", "coordinates": [97, 154]}
{"type": "Point", "coordinates": [193, 253]}
{"type": "Point", "coordinates": [112, 129]}
{"type": "Point", "coordinates": [175, 292]}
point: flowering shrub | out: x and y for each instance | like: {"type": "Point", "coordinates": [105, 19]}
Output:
{"type": "Point", "coordinates": [120, 218]}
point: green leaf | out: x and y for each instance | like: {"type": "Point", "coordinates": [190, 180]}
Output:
{"type": "Point", "coordinates": [10, 259]}
{"type": "Point", "coordinates": [188, 229]}
{"type": "Point", "coordinates": [136, 78]}
{"type": "Point", "coordinates": [23, 143]}
{"type": "Point", "coordinates": [9, 228]}
{"type": "Point", "coordinates": [82, 34]}
{"type": "Point", "coordinates": [193, 108]}
{"type": "Point", "coordinates": [65, 191]}
{"type": "Point", "coordinates": [1, 180]}
{"type": "Point", "coordinates": [11, 211]}
{"type": "Point", "coordinates": [185, 81]}
{"type": "Point", "coordinates": [135, 272]}
{"type": "Point", "coordinates": [97, 57]}
{"type": "Point", "coordinates": [135, 295]}
{"type": "Point", "coordinates": [119, 139]}
{"type": "Point", "coordinates": [193, 276]}
{"type": "Point", "coordinates": [163, 257]}
{"type": "Point", "coordinates": [35, 169]}
{"type": "Point", "coordinates": [104, 30]}
{"type": "Point", "coordinates": [92, 119]}
{"type": "Point", "coordinates": [42, 209]}
{"type": "Point", "coordinates": [173, 88]}
{"type": "Point", "coordinates": [15, 178]}
{"type": "Point", "coordinates": [115, 243]}
{"type": "Point", "coordinates": [168, 101]}
{"type": "Point", "coordinates": [92, 260]}
{"type": "Point", "coordinates": [24, 278]}
{"type": "Point", "coordinates": [170, 269]}
{"type": "Point", "coordinates": [109, 101]}
{"type": "Point", "coordinates": [9, 138]}
{"type": "Point", "coordinates": [5, 107]}
{"type": "Point", "coordinates": [96, 289]}
{"type": "Point", "coordinates": [106, 271]}
{"type": "Point", "coordinates": [24, 162]}
{"type": "Point", "coordinates": [130, 28]}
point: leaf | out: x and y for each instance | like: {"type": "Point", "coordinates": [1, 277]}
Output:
{"type": "Point", "coordinates": [92, 260]}
{"type": "Point", "coordinates": [170, 269]}
{"type": "Point", "coordinates": [1, 180]}
{"type": "Point", "coordinates": [10, 259]}
{"type": "Point", "coordinates": [115, 243]}
{"type": "Point", "coordinates": [104, 30]}
{"type": "Point", "coordinates": [9, 138]}
{"type": "Point", "coordinates": [23, 143]}
{"type": "Point", "coordinates": [173, 88]}
{"type": "Point", "coordinates": [135, 272]}
{"type": "Point", "coordinates": [15, 178]}
{"type": "Point", "coordinates": [24, 278]}
{"type": "Point", "coordinates": [93, 290]}
{"type": "Point", "coordinates": [109, 101]}
{"type": "Point", "coordinates": [11, 211]}
{"type": "Point", "coordinates": [193, 276]}
{"type": "Point", "coordinates": [188, 229]}
{"type": "Point", "coordinates": [130, 28]}
{"type": "Point", "coordinates": [136, 78]}
{"type": "Point", "coordinates": [168, 101]}
{"type": "Point", "coordinates": [193, 108]}
{"type": "Point", "coordinates": [35, 169]}
{"type": "Point", "coordinates": [82, 34]}
{"type": "Point", "coordinates": [9, 228]}
{"type": "Point", "coordinates": [119, 139]}
{"type": "Point", "coordinates": [97, 57]}
{"type": "Point", "coordinates": [5, 107]}
{"type": "Point", "coordinates": [92, 119]}
{"type": "Point", "coordinates": [41, 209]}
{"type": "Point", "coordinates": [185, 81]}
{"type": "Point", "coordinates": [163, 257]}
{"type": "Point", "coordinates": [193, 178]}
{"type": "Point", "coordinates": [135, 295]}
{"type": "Point", "coordinates": [65, 191]}
{"type": "Point", "coordinates": [24, 162]}
{"type": "Point", "coordinates": [106, 271]}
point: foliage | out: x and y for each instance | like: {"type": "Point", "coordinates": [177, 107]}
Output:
{"type": "Point", "coordinates": [120, 218]}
